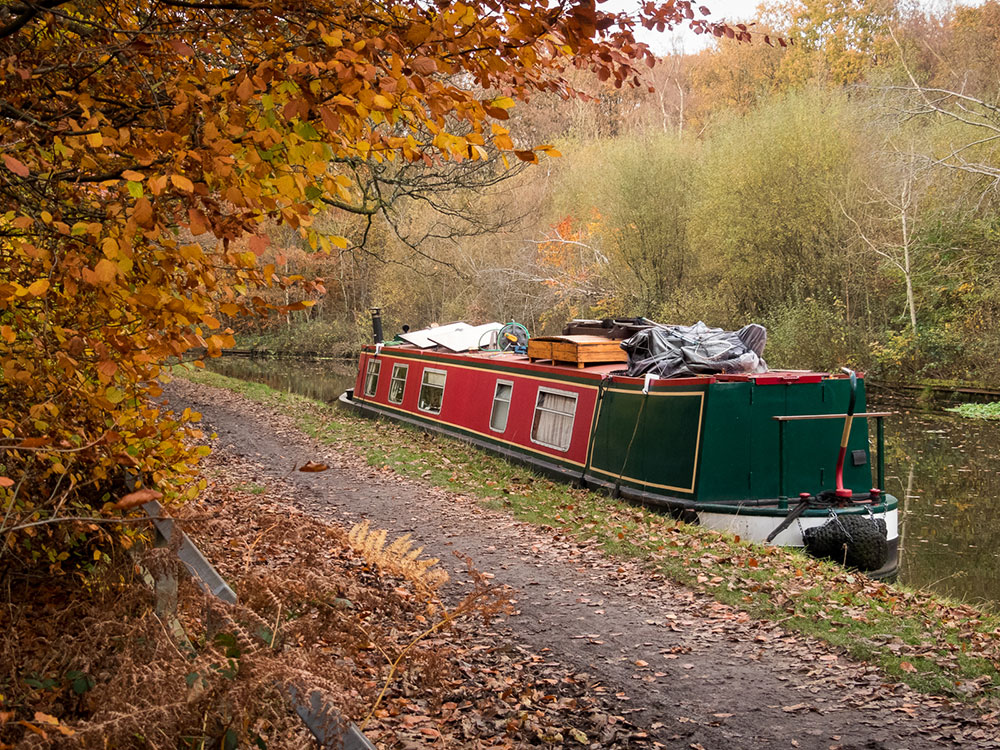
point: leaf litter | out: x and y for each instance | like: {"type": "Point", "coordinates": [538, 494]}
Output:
{"type": "Point", "coordinates": [573, 573]}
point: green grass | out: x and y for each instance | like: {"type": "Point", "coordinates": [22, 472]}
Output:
{"type": "Point", "coordinates": [933, 644]}
{"type": "Point", "coordinates": [252, 487]}
{"type": "Point", "coordinates": [978, 411]}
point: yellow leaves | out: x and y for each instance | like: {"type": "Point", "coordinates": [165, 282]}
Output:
{"type": "Point", "coordinates": [49, 721]}
{"type": "Point", "coordinates": [191, 252]}
{"type": "Point", "coordinates": [418, 33]}
{"type": "Point", "coordinates": [286, 186]}
{"type": "Point", "coordinates": [175, 138]}
{"type": "Point", "coordinates": [181, 182]}
{"type": "Point", "coordinates": [105, 271]}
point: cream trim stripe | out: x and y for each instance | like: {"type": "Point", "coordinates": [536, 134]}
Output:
{"type": "Point", "coordinates": [492, 438]}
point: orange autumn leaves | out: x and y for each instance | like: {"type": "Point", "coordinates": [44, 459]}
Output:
{"type": "Point", "coordinates": [142, 160]}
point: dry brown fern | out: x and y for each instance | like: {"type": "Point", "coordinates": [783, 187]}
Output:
{"type": "Point", "coordinates": [399, 558]}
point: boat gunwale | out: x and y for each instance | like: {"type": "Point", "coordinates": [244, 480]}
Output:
{"type": "Point", "coordinates": [629, 489]}
{"type": "Point", "coordinates": [595, 371]}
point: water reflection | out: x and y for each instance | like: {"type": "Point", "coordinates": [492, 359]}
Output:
{"type": "Point", "coordinates": [945, 470]}
{"type": "Point", "coordinates": [323, 381]}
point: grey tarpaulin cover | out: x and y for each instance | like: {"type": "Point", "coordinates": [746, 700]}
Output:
{"type": "Point", "coordinates": [679, 351]}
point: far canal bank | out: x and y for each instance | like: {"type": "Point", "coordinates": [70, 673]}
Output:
{"type": "Point", "coordinates": [944, 469]}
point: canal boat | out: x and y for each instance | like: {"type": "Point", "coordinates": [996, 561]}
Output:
{"type": "Point", "coordinates": [770, 456]}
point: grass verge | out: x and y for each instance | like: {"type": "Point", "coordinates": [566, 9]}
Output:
{"type": "Point", "coordinates": [932, 644]}
{"type": "Point", "coordinates": [977, 411]}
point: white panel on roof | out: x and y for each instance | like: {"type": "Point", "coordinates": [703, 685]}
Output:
{"type": "Point", "coordinates": [458, 337]}
{"type": "Point", "coordinates": [421, 338]}
{"type": "Point", "coordinates": [464, 337]}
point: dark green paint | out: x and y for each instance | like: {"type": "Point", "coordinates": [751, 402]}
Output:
{"type": "Point", "coordinates": [665, 444]}
{"type": "Point", "coordinates": [739, 440]}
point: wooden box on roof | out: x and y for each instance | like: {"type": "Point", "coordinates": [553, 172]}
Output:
{"type": "Point", "coordinates": [579, 350]}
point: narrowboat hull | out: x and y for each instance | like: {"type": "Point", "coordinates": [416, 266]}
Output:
{"type": "Point", "coordinates": [708, 449]}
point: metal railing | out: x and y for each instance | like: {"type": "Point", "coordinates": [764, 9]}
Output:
{"type": "Point", "coordinates": [324, 722]}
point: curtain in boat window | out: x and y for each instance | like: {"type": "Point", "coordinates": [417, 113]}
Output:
{"type": "Point", "coordinates": [397, 385]}
{"type": "Point", "coordinates": [432, 391]}
{"type": "Point", "coordinates": [553, 422]}
{"type": "Point", "coordinates": [371, 379]}
{"type": "Point", "coordinates": [501, 406]}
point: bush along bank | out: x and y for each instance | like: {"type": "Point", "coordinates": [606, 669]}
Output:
{"type": "Point", "coordinates": [933, 644]}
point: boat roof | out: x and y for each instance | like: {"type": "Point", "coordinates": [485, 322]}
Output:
{"type": "Point", "coordinates": [599, 371]}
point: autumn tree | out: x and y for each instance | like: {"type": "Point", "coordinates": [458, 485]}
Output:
{"type": "Point", "coordinates": [838, 41]}
{"type": "Point", "coordinates": [640, 189]}
{"type": "Point", "coordinates": [766, 203]}
{"type": "Point", "coordinates": [145, 144]}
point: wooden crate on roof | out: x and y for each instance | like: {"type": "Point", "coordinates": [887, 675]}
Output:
{"type": "Point", "coordinates": [579, 350]}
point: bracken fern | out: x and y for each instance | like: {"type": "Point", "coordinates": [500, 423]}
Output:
{"type": "Point", "coordinates": [400, 557]}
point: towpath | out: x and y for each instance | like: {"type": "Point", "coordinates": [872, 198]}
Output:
{"type": "Point", "coordinates": [687, 671]}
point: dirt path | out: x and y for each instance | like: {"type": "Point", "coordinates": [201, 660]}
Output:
{"type": "Point", "coordinates": [690, 672]}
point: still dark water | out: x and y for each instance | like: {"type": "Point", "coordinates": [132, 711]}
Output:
{"type": "Point", "coordinates": [944, 469]}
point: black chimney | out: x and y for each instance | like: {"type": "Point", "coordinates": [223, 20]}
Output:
{"type": "Point", "coordinates": [377, 324]}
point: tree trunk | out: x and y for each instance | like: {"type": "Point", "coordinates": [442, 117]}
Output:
{"type": "Point", "coordinates": [907, 271]}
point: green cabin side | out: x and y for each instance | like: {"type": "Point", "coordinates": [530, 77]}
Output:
{"type": "Point", "coordinates": [719, 442]}
{"type": "Point", "coordinates": [650, 442]}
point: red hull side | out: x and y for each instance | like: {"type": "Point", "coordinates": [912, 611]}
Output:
{"type": "Point", "coordinates": [467, 402]}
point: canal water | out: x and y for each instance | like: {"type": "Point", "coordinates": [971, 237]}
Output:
{"type": "Point", "coordinates": [944, 469]}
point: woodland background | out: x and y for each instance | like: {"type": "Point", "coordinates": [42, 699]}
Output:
{"type": "Point", "coordinates": [841, 190]}
{"type": "Point", "coordinates": [173, 169]}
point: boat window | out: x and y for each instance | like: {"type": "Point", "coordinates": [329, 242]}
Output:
{"type": "Point", "coordinates": [553, 422]}
{"type": "Point", "coordinates": [371, 378]}
{"type": "Point", "coordinates": [397, 384]}
{"type": "Point", "coordinates": [501, 405]}
{"type": "Point", "coordinates": [432, 391]}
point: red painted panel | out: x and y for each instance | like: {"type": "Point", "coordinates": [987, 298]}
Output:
{"type": "Point", "coordinates": [775, 377]}
{"type": "Point", "coordinates": [468, 400]}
